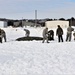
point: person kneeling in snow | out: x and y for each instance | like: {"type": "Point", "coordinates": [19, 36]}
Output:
{"type": "Point", "coordinates": [2, 35]}
{"type": "Point", "coordinates": [51, 35]}
{"type": "Point", "coordinates": [27, 32]}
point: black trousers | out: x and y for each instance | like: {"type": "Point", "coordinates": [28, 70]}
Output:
{"type": "Point", "coordinates": [0, 40]}
{"type": "Point", "coordinates": [60, 38]}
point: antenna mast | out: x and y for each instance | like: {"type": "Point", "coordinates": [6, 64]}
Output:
{"type": "Point", "coordinates": [35, 18]}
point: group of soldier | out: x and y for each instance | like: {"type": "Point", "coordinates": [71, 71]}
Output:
{"type": "Point", "coordinates": [3, 34]}
{"type": "Point", "coordinates": [47, 35]}
{"type": "Point", "coordinates": [59, 33]}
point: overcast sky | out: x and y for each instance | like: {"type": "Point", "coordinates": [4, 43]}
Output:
{"type": "Point", "coordinates": [18, 9]}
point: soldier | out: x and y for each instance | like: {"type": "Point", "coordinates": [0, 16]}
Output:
{"type": "Point", "coordinates": [51, 35]}
{"type": "Point", "coordinates": [27, 32]}
{"type": "Point", "coordinates": [74, 35]}
{"type": "Point", "coordinates": [2, 35]}
{"type": "Point", "coordinates": [69, 33]}
{"type": "Point", "coordinates": [45, 35]}
{"type": "Point", "coordinates": [59, 32]}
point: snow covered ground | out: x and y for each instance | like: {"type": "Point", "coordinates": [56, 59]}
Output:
{"type": "Point", "coordinates": [35, 57]}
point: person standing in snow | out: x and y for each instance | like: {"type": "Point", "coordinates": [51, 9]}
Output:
{"type": "Point", "coordinates": [45, 35]}
{"type": "Point", "coordinates": [27, 32]}
{"type": "Point", "coordinates": [74, 35]}
{"type": "Point", "coordinates": [2, 35]}
{"type": "Point", "coordinates": [69, 33]}
{"type": "Point", "coordinates": [59, 33]}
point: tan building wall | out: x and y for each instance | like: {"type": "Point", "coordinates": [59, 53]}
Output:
{"type": "Point", "coordinates": [53, 24]}
{"type": "Point", "coordinates": [3, 24]}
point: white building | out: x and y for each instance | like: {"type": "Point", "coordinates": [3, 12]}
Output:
{"type": "Point", "coordinates": [53, 24]}
{"type": "Point", "coordinates": [3, 24]}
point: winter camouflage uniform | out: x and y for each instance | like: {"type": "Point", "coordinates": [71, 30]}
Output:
{"type": "Point", "coordinates": [59, 32]}
{"type": "Point", "coordinates": [74, 35]}
{"type": "Point", "coordinates": [69, 33]}
{"type": "Point", "coordinates": [27, 32]}
{"type": "Point", "coordinates": [2, 35]}
{"type": "Point", "coordinates": [45, 35]}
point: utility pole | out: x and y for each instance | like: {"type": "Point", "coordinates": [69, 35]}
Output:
{"type": "Point", "coordinates": [71, 22]}
{"type": "Point", "coordinates": [22, 21]}
{"type": "Point", "coordinates": [35, 18]}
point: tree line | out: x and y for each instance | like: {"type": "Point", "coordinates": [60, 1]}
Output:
{"type": "Point", "coordinates": [38, 21]}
